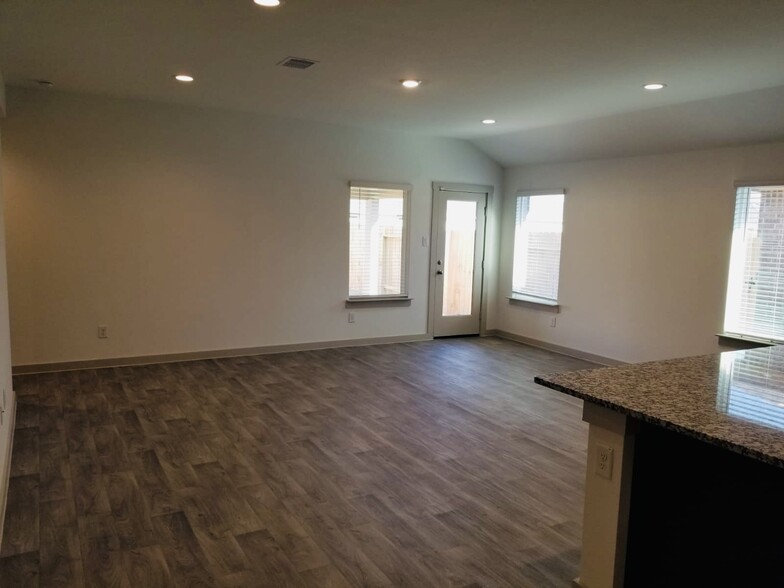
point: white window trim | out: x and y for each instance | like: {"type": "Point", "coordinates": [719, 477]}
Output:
{"type": "Point", "coordinates": [533, 302]}
{"type": "Point", "coordinates": [394, 299]}
{"type": "Point", "coordinates": [756, 184]}
{"type": "Point", "coordinates": [523, 297]}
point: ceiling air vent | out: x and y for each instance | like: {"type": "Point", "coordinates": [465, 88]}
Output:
{"type": "Point", "coordinates": [297, 62]}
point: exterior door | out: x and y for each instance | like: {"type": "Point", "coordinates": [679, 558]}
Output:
{"type": "Point", "coordinates": [458, 237]}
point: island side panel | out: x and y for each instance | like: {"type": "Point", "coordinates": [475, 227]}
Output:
{"type": "Point", "coordinates": [607, 497]}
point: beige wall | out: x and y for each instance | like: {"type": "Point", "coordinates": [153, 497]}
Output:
{"type": "Point", "coordinates": [645, 250]}
{"type": "Point", "coordinates": [187, 229]}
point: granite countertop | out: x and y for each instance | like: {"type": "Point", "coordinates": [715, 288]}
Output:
{"type": "Point", "coordinates": [734, 399]}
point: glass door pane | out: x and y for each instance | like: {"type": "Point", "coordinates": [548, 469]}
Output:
{"type": "Point", "coordinates": [459, 257]}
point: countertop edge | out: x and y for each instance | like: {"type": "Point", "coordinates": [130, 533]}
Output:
{"type": "Point", "coordinates": [699, 435]}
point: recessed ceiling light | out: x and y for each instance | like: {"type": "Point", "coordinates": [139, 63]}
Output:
{"type": "Point", "coordinates": [410, 83]}
{"type": "Point", "coordinates": [183, 78]}
{"type": "Point", "coordinates": [267, 3]}
{"type": "Point", "coordinates": [654, 86]}
{"type": "Point", "coordinates": [488, 121]}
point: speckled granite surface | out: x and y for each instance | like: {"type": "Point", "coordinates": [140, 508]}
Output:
{"type": "Point", "coordinates": [734, 400]}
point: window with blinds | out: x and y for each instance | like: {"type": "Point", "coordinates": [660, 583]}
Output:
{"type": "Point", "coordinates": [537, 245]}
{"type": "Point", "coordinates": [378, 241]}
{"type": "Point", "coordinates": [755, 287]}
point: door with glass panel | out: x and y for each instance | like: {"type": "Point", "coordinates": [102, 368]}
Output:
{"type": "Point", "coordinates": [458, 239]}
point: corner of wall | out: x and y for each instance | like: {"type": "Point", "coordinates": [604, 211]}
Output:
{"type": "Point", "coordinates": [493, 252]}
{"type": "Point", "coordinates": [493, 228]}
{"type": "Point", "coordinates": [9, 422]}
{"type": "Point", "coordinates": [8, 418]}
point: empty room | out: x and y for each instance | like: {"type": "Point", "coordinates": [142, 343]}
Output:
{"type": "Point", "coordinates": [348, 293]}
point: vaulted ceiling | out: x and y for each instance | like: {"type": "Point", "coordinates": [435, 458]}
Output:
{"type": "Point", "coordinates": [562, 77]}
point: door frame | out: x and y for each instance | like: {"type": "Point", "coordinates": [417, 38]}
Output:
{"type": "Point", "coordinates": [439, 187]}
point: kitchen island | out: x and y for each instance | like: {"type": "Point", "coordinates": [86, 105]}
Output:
{"type": "Point", "coordinates": [685, 476]}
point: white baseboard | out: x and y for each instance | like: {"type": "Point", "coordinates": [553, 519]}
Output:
{"type": "Point", "coordinates": [6, 473]}
{"type": "Point", "coordinates": [577, 353]}
{"type": "Point", "coordinates": [64, 366]}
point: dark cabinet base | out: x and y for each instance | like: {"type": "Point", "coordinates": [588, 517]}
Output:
{"type": "Point", "coordinates": [702, 516]}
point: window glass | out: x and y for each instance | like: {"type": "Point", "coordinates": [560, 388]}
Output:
{"type": "Point", "coordinates": [537, 246]}
{"type": "Point", "coordinates": [377, 220]}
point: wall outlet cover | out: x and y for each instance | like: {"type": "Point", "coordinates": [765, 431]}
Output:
{"type": "Point", "coordinates": [604, 461]}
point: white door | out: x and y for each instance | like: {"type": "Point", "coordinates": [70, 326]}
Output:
{"type": "Point", "coordinates": [458, 238]}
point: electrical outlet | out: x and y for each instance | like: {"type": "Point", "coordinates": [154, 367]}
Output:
{"type": "Point", "coordinates": [103, 332]}
{"type": "Point", "coordinates": [351, 317]}
{"type": "Point", "coordinates": [552, 322]}
{"type": "Point", "coordinates": [604, 461]}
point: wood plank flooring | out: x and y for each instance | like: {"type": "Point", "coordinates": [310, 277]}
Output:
{"type": "Point", "coordinates": [424, 464]}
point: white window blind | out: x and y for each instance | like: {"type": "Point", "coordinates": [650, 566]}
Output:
{"type": "Point", "coordinates": [378, 241]}
{"type": "Point", "coordinates": [537, 245]}
{"type": "Point", "coordinates": [755, 288]}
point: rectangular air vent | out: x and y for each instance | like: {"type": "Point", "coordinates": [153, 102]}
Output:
{"type": "Point", "coordinates": [297, 62]}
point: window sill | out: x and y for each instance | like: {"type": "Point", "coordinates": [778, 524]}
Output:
{"type": "Point", "coordinates": [378, 301]}
{"type": "Point", "coordinates": [531, 302]}
{"type": "Point", "coordinates": [745, 342]}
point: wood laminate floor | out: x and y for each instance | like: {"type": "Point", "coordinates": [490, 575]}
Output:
{"type": "Point", "coordinates": [424, 464]}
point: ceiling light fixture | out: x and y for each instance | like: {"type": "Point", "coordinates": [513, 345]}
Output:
{"type": "Point", "coordinates": [410, 83]}
{"type": "Point", "coordinates": [267, 3]}
{"type": "Point", "coordinates": [185, 78]}
{"type": "Point", "coordinates": [488, 121]}
{"type": "Point", "coordinates": [654, 86]}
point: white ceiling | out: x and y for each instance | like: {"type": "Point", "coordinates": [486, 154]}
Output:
{"type": "Point", "coordinates": [563, 77]}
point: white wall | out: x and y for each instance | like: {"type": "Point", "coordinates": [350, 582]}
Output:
{"type": "Point", "coordinates": [6, 432]}
{"type": "Point", "coordinates": [645, 250]}
{"type": "Point", "coordinates": [187, 229]}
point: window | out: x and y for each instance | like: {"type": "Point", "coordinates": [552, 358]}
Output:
{"type": "Point", "coordinates": [378, 218]}
{"type": "Point", "coordinates": [755, 287]}
{"type": "Point", "coordinates": [537, 246]}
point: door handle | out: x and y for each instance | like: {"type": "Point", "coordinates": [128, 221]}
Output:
{"type": "Point", "coordinates": [440, 273]}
